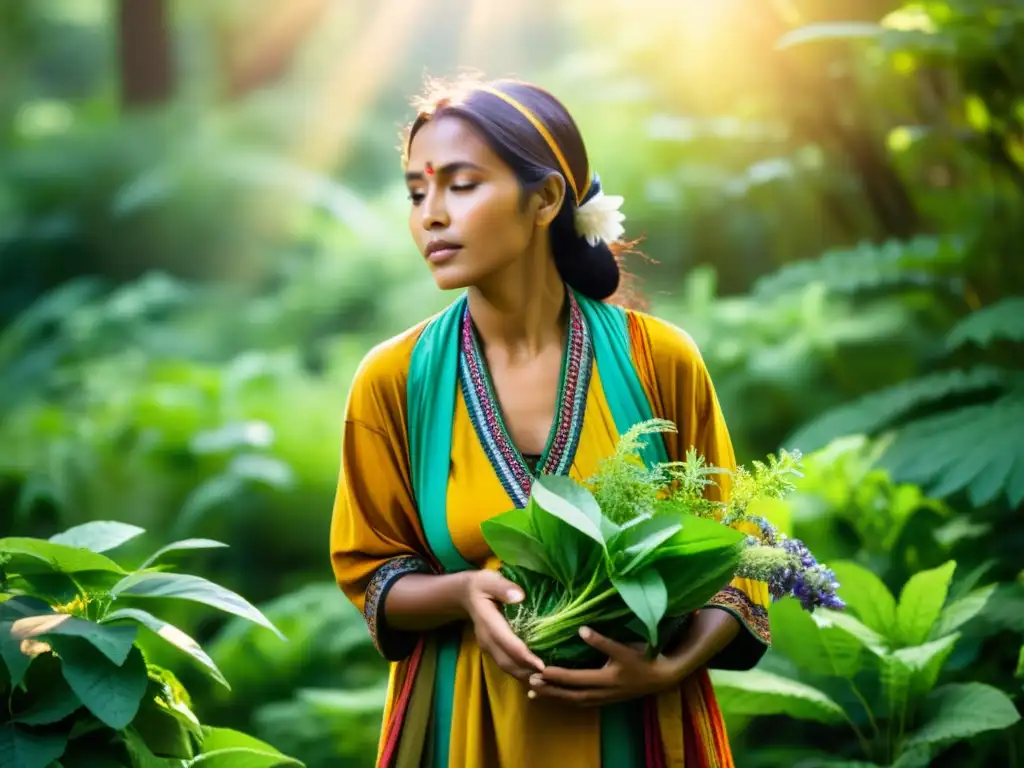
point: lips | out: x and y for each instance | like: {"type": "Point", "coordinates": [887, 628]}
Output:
{"type": "Point", "coordinates": [439, 250]}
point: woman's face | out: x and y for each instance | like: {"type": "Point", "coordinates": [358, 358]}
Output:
{"type": "Point", "coordinates": [467, 215]}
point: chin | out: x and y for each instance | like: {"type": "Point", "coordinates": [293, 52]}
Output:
{"type": "Point", "coordinates": [451, 278]}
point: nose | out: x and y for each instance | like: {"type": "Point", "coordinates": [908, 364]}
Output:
{"type": "Point", "coordinates": [435, 212]}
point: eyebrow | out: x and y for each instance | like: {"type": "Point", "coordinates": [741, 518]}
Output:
{"type": "Point", "coordinates": [447, 170]}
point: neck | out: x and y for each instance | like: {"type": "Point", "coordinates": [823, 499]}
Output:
{"type": "Point", "coordinates": [522, 308]}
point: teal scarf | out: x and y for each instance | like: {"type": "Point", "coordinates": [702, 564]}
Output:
{"type": "Point", "coordinates": [431, 392]}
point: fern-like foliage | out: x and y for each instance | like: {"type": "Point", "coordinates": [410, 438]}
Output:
{"type": "Point", "coordinates": [897, 264]}
{"type": "Point", "coordinates": [979, 449]}
{"type": "Point", "coordinates": [879, 410]}
{"type": "Point", "coordinates": [1003, 320]}
{"type": "Point", "coordinates": [623, 485]}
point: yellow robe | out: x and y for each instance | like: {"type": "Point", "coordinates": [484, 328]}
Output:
{"type": "Point", "coordinates": [375, 532]}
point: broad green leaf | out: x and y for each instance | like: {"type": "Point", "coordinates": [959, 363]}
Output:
{"type": "Point", "coordinates": [226, 748]}
{"type": "Point", "coordinates": [98, 535]}
{"type": "Point", "coordinates": [112, 642]}
{"type": "Point", "coordinates": [515, 546]}
{"type": "Point", "coordinates": [172, 635]}
{"type": "Point", "coordinates": [1002, 320]}
{"type": "Point", "coordinates": [870, 639]}
{"type": "Point", "coordinates": [814, 642]}
{"type": "Point", "coordinates": [141, 754]}
{"type": "Point", "coordinates": [925, 662]}
{"type": "Point", "coordinates": [17, 655]}
{"type": "Point", "coordinates": [566, 499]}
{"type": "Point", "coordinates": [896, 678]}
{"type": "Point", "coordinates": [22, 748]}
{"type": "Point", "coordinates": [962, 710]}
{"type": "Point", "coordinates": [961, 611]}
{"type": "Point", "coordinates": [758, 693]}
{"type": "Point", "coordinates": [216, 739]}
{"type": "Point", "coordinates": [645, 594]}
{"type": "Point", "coordinates": [633, 544]}
{"type": "Point", "coordinates": [195, 588]}
{"type": "Point", "coordinates": [240, 757]}
{"type": "Point", "coordinates": [868, 597]}
{"type": "Point", "coordinates": [181, 545]}
{"type": "Point", "coordinates": [565, 548]}
{"type": "Point", "coordinates": [50, 699]}
{"type": "Point", "coordinates": [166, 732]}
{"type": "Point", "coordinates": [110, 692]}
{"type": "Point", "coordinates": [38, 556]}
{"type": "Point", "coordinates": [921, 603]}
{"type": "Point", "coordinates": [919, 756]}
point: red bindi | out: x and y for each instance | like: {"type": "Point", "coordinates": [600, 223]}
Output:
{"type": "Point", "coordinates": [430, 169]}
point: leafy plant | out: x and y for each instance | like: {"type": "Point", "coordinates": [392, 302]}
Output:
{"type": "Point", "coordinates": [875, 669]}
{"type": "Point", "coordinates": [79, 687]}
{"type": "Point", "coordinates": [643, 549]}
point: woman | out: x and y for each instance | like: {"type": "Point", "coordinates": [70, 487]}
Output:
{"type": "Point", "coordinates": [529, 371]}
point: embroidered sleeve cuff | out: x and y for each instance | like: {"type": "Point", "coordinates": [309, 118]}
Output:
{"type": "Point", "coordinates": [393, 644]}
{"type": "Point", "coordinates": [749, 646]}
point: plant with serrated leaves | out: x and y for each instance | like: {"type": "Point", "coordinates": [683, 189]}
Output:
{"type": "Point", "coordinates": [875, 670]}
{"type": "Point", "coordinates": [79, 688]}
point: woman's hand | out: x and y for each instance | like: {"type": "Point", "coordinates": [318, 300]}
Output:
{"type": "Point", "coordinates": [628, 674]}
{"type": "Point", "coordinates": [485, 592]}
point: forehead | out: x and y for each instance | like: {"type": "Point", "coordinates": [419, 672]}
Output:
{"type": "Point", "coordinates": [448, 139]}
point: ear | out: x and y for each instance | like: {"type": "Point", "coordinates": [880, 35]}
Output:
{"type": "Point", "coordinates": [549, 199]}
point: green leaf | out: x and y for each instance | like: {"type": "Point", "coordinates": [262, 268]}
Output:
{"type": "Point", "coordinates": [813, 642]}
{"type": "Point", "coordinates": [565, 549]}
{"type": "Point", "coordinates": [11, 610]}
{"type": "Point", "coordinates": [167, 731]}
{"type": "Point", "coordinates": [38, 556]}
{"type": "Point", "coordinates": [112, 642]}
{"type": "Point", "coordinates": [1020, 663]}
{"type": "Point", "coordinates": [877, 410]}
{"type": "Point", "coordinates": [98, 535]}
{"type": "Point", "coordinates": [181, 545]}
{"type": "Point", "coordinates": [962, 710]}
{"type": "Point", "coordinates": [758, 693]}
{"type": "Point", "coordinates": [645, 594]}
{"type": "Point", "coordinates": [110, 692]}
{"type": "Point", "coordinates": [142, 756]}
{"type": "Point", "coordinates": [48, 698]}
{"type": "Point", "coordinates": [840, 30]}
{"type": "Point", "coordinates": [961, 611]}
{"type": "Point", "coordinates": [224, 748]}
{"type": "Point", "coordinates": [870, 639]}
{"type": "Point", "coordinates": [23, 748]}
{"type": "Point", "coordinates": [1002, 320]}
{"type": "Point", "coordinates": [172, 635]}
{"type": "Point", "coordinates": [930, 452]}
{"type": "Point", "coordinates": [921, 602]}
{"type": "Point", "coordinates": [566, 499]}
{"type": "Point", "coordinates": [195, 588]}
{"type": "Point", "coordinates": [925, 662]}
{"type": "Point", "coordinates": [635, 542]}
{"type": "Point", "coordinates": [867, 596]}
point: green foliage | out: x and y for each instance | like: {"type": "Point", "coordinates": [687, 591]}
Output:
{"type": "Point", "coordinates": [882, 662]}
{"type": "Point", "coordinates": [79, 686]}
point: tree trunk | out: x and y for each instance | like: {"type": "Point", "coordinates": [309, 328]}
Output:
{"type": "Point", "coordinates": [147, 68]}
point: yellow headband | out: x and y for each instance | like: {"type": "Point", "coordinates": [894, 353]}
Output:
{"type": "Point", "coordinates": [546, 134]}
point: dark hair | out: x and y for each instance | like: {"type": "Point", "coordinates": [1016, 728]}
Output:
{"type": "Point", "coordinates": [592, 270]}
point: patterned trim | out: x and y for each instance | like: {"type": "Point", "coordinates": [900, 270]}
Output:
{"type": "Point", "coordinates": [390, 643]}
{"type": "Point", "coordinates": [478, 390]}
{"type": "Point", "coordinates": [754, 616]}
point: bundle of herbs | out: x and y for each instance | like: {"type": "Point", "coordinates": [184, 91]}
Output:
{"type": "Point", "coordinates": [636, 549]}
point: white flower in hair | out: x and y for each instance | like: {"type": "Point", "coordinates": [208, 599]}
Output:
{"type": "Point", "coordinates": [600, 219]}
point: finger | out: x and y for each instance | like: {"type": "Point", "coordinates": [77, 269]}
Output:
{"type": "Point", "coordinates": [510, 643]}
{"type": "Point", "coordinates": [610, 648]}
{"type": "Point", "coordinates": [501, 589]}
{"type": "Point", "coordinates": [585, 698]}
{"type": "Point", "coordinates": [581, 678]}
{"type": "Point", "coordinates": [508, 665]}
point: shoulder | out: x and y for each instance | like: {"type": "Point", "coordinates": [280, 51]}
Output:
{"type": "Point", "coordinates": [669, 346]}
{"type": "Point", "coordinates": [380, 379]}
